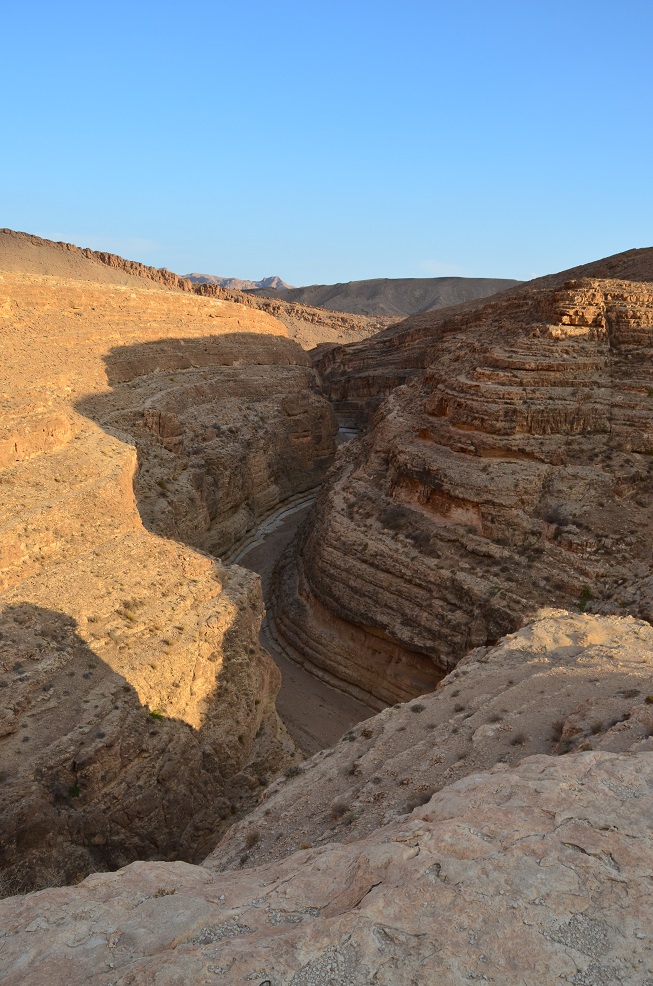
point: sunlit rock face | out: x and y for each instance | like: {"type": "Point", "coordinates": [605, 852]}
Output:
{"type": "Point", "coordinates": [509, 465]}
{"type": "Point", "coordinates": [137, 710]}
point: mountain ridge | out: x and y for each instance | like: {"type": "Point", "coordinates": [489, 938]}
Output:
{"type": "Point", "coordinates": [394, 297]}
{"type": "Point", "coordinates": [273, 283]}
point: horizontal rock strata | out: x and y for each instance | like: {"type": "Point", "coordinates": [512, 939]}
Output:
{"type": "Point", "coordinates": [23, 253]}
{"type": "Point", "coordinates": [509, 467]}
{"type": "Point", "coordinates": [226, 430]}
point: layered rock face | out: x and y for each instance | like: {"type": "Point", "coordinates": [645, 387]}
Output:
{"type": "Point", "coordinates": [510, 467]}
{"type": "Point", "coordinates": [137, 708]}
{"type": "Point", "coordinates": [371, 843]}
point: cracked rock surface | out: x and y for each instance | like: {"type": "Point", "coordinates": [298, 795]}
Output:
{"type": "Point", "coordinates": [537, 872]}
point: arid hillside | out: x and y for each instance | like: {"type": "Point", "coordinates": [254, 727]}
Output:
{"type": "Point", "coordinates": [309, 326]}
{"type": "Point", "coordinates": [23, 253]}
{"type": "Point", "coordinates": [631, 265]}
{"type": "Point", "coordinates": [390, 297]}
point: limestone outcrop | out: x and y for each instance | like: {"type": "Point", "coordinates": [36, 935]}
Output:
{"type": "Point", "coordinates": [508, 466]}
{"type": "Point", "coordinates": [515, 797]}
{"type": "Point", "coordinates": [554, 852]}
{"type": "Point", "coordinates": [226, 430]}
{"type": "Point", "coordinates": [567, 683]}
{"type": "Point", "coordinates": [137, 714]}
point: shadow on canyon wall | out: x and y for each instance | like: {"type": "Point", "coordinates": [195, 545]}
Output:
{"type": "Point", "coordinates": [227, 428]}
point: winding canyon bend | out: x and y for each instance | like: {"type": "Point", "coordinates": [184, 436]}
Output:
{"type": "Point", "coordinates": [507, 466]}
{"type": "Point", "coordinates": [161, 448]}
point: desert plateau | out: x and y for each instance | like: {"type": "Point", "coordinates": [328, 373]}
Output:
{"type": "Point", "coordinates": [321, 630]}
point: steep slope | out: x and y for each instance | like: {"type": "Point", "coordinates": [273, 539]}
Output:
{"type": "Point", "coordinates": [395, 858]}
{"type": "Point", "coordinates": [563, 684]}
{"type": "Point", "coordinates": [27, 254]}
{"type": "Point", "coordinates": [509, 467]}
{"type": "Point", "coordinates": [631, 265]}
{"type": "Point", "coordinates": [393, 297]}
{"type": "Point", "coordinates": [137, 707]}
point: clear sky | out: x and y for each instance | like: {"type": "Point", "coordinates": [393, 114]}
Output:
{"type": "Point", "coordinates": [331, 141]}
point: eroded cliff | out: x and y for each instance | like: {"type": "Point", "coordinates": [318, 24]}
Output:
{"type": "Point", "coordinates": [24, 253]}
{"type": "Point", "coordinates": [137, 705]}
{"type": "Point", "coordinates": [508, 467]}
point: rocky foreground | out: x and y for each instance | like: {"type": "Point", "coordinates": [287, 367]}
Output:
{"type": "Point", "coordinates": [531, 871]}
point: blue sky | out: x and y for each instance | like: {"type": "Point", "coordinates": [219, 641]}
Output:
{"type": "Point", "coordinates": [331, 142]}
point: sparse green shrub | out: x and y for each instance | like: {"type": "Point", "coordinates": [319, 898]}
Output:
{"type": "Point", "coordinates": [418, 707]}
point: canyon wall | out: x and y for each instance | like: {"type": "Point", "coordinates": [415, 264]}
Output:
{"type": "Point", "coordinates": [509, 465]}
{"type": "Point", "coordinates": [137, 714]}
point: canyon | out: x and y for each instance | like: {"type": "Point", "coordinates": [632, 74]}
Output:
{"type": "Point", "coordinates": [459, 600]}
{"type": "Point", "coordinates": [506, 466]}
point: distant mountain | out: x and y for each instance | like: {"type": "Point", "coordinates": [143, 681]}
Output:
{"type": "Point", "coordinates": [237, 284]}
{"type": "Point", "coordinates": [394, 297]}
